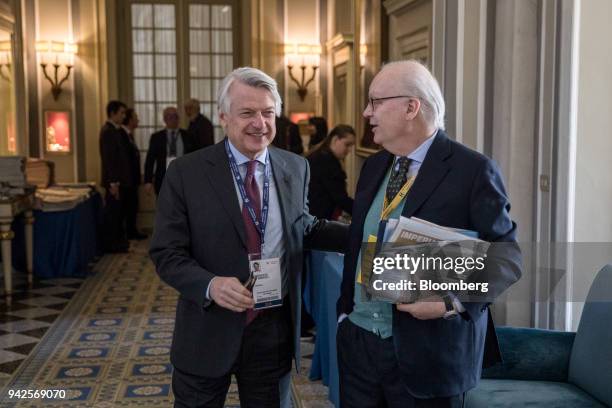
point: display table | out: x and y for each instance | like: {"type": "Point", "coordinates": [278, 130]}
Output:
{"type": "Point", "coordinates": [65, 242]}
{"type": "Point", "coordinates": [10, 208]}
{"type": "Point", "coordinates": [322, 290]}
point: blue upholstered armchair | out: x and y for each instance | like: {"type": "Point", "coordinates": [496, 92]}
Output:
{"type": "Point", "coordinates": [545, 368]}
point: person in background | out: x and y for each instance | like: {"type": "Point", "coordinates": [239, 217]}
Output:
{"type": "Point", "coordinates": [327, 194]}
{"type": "Point", "coordinates": [287, 135]}
{"type": "Point", "coordinates": [318, 131]}
{"type": "Point", "coordinates": [115, 178]}
{"type": "Point", "coordinates": [130, 201]}
{"type": "Point", "coordinates": [200, 128]}
{"type": "Point", "coordinates": [164, 147]}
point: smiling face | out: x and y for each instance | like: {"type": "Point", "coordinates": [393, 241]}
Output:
{"type": "Point", "coordinates": [250, 122]}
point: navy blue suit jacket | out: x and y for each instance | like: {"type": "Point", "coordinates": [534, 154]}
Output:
{"type": "Point", "coordinates": [455, 187]}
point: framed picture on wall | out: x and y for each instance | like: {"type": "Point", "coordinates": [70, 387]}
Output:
{"type": "Point", "coordinates": [57, 132]}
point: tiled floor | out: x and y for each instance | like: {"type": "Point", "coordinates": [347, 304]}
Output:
{"type": "Point", "coordinates": [34, 310]}
{"type": "Point", "coordinates": [25, 321]}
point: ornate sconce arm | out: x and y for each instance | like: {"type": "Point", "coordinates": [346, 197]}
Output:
{"type": "Point", "coordinates": [303, 84]}
{"type": "Point", "coordinates": [56, 84]}
{"type": "Point", "coordinates": [55, 49]}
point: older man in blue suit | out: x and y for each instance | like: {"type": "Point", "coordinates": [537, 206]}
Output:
{"type": "Point", "coordinates": [428, 353]}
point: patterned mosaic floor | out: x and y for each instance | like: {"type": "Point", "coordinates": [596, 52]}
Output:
{"type": "Point", "coordinates": [25, 321]}
{"type": "Point", "coordinates": [109, 346]}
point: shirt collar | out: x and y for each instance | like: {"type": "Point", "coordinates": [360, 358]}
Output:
{"type": "Point", "coordinates": [418, 155]}
{"type": "Point", "coordinates": [116, 126]}
{"type": "Point", "coordinates": [242, 159]}
{"type": "Point", "coordinates": [127, 129]}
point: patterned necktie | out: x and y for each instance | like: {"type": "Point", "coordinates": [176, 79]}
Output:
{"type": "Point", "coordinates": [172, 152]}
{"type": "Point", "coordinates": [252, 235]}
{"type": "Point", "coordinates": [398, 178]}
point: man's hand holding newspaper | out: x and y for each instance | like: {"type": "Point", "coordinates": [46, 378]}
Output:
{"type": "Point", "coordinates": [418, 261]}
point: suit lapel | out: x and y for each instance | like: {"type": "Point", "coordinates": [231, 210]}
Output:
{"type": "Point", "coordinates": [432, 172]}
{"type": "Point", "coordinates": [373, 179]}
{"type": "Point", "coordinates": [286, 194]}
{"type": "Point", "coordinates": [163, 145]}
{"type": "Point", "coordinates": [222, 182]}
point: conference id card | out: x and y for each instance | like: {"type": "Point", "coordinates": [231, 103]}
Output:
{"type": "Point", "coordinates": [267, 289]}
{"type": "Point", "coordinates": [169, 160]}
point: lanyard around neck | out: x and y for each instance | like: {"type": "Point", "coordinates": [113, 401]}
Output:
{"type": "Point", "coordinates": [260, 226]}
{"type": "Point", "coordinates": [388, 207]}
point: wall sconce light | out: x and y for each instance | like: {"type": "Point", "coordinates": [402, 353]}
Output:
{"type": "Point", "coordinates": [58, 54]}
{"type": "Point", "coordinates": [5, 60]}
{"type": "Point", "coordinates": [308, 57]}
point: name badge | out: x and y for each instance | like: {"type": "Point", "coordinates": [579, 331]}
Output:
{"type": "Point", "coordinates": [267, 291]}
{"type": "Point", "coordinates": [169, 160]}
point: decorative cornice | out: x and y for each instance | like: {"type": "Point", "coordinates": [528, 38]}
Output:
{"type": "Point", "coordinates": [338, 41]}
{"type": "Point", "coordinates": [393, 6]}
{"type": "Point", "coordinates": [6, 12]}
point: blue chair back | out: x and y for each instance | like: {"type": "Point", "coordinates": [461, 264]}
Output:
{"type": "Point", "coordinates": [591, 358]}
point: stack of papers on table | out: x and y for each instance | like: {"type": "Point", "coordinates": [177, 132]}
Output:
{"type": "Point", "coordinates": [59, 198]}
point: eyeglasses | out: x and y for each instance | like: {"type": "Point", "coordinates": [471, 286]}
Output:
{"type": "Point", "coordinates": [372, 101]}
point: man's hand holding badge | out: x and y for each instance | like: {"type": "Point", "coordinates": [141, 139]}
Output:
{"type": "Point", "coordinates": [261, 291]}
{"type": "Point", "coordinates": [231, 294]}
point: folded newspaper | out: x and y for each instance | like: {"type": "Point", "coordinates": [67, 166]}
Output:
{"type": "Point", "coordinates": [418, 258]}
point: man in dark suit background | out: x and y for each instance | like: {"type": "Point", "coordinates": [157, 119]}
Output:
{"type": "Point", "coordinates": [219, 206]}
{"type": "Point", "coordinates": [428, 353]}
{"type": "Point", "coordinates": [327, 195]}
{"type": "Point", "coordinates": [116, 178]}
{"type": "Point", "coordinates": [129, 125]}
{"type": "Point", "coordinates": [200, 127]}
{"type": "Point", "coordinates": [164, 147]}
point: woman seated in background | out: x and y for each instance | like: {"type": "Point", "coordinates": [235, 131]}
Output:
{"type": "Point", "coordinates": [327, 193]}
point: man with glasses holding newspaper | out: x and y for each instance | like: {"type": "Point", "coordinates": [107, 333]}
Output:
{"type": "Point", "coordinates": [427, 353]}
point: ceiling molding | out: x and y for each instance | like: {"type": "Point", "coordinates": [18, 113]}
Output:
{"type": "Point", "coordinates": [395, 6]}
{"type": "Point", "coordinates": [338, 41]}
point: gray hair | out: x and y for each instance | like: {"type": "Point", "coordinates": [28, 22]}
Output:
{"type": "Point", "coordinates": [419, 82]}
{"type": "Point", "coordinates": [193, 103]}
{"type": "Point", "coordinates": [251, 77]}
